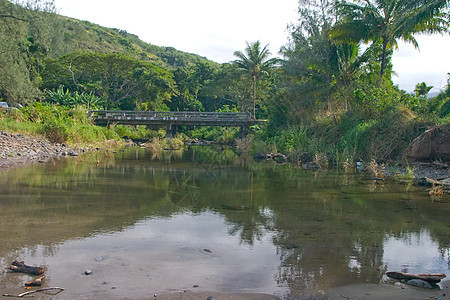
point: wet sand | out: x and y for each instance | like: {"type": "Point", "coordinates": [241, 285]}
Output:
{"type": "Point", "coordinates": [353, 292]}
{"type": "Point", "coordinates": [388, 292]}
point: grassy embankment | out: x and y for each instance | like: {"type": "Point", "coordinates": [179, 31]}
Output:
{"type": "Point", "coordinates": [364, 133]}
{"type": "Point", "coordinates": [60, 124]}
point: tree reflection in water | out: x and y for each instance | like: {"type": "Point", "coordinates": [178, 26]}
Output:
{"type": "Point", "coordinates": [328, 229]}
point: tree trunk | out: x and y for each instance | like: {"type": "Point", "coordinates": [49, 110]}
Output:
{"type": "Point", "coordinates": [383, 58]}
{"type": "Point", "coordinates": [430, 278]}
{"type": "Point", "coordinates": [254, 97]}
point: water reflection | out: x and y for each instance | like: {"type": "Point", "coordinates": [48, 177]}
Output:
{"type": "Point", "coordinates": [414, 252]}
{"type": "Point", "coordinates": [268, 227]}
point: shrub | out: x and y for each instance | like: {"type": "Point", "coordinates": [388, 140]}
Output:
{"type": "Point", "coordinates": [55, 132]}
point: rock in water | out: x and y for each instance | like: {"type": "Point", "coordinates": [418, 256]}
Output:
{"type": "Point", "coordinates": [420, 283]}
{"type": "Point", "coordinates": [313, 166]}
{"type": "Point", "coordinates": [431, 145]}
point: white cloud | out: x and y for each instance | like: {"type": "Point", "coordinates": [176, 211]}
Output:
{"type": "Point", "coordinates": [430, 64]}
{"type": "Point", "coordinates": [204, 27]}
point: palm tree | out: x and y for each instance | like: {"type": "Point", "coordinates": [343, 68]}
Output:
{"type": "Point", "coordinates": [388, 21]}
{"type": "Point", "coordinates": [255, 64]}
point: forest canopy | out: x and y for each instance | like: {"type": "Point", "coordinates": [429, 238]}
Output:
{"type": "Point", "coordinates": [331, 90]}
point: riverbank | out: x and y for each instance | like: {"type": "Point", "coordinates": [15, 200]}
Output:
{"type": "Point", "coordinates": [364, 291]}
{"type": "Point", "coordinates": [18, 150]}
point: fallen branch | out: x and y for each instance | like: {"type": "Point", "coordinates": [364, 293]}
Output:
{"type": "Point", "coordinates": [36, 291]}
{"type": "Point", "coordinates": [430, 278]}
{"type": "Point", "coordinates": [440, 163]}
{"type": "Point", "coordinates": [20, 266]}
{"type": "Point", "coordinates": [35, 282]}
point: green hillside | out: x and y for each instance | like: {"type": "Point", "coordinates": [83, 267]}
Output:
{"type": "Point", "coordinates": [33, 38]}
{"type": "Point", "coordinates": [76, 35]}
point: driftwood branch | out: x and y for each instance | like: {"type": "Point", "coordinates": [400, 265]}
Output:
{"type": "Point", "coordinates": [35, 282]}
{"type": "Point", "coordinates": [21, 267]}
{"type": "Point", "coordinates": [36, 291]}
{"type": "Point", "coordinates": [430, 278]}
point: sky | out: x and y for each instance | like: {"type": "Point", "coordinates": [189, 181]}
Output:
{"type": "Point", "coordinates": [216, 28]}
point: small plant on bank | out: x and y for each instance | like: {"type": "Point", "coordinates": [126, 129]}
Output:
{"type": "Point", "coordinates": [175, 143]}
{"type": "Point", "coordinates": [154, 146]}
{"type": "Point", "coordinates": [349, 165]}
{"type": "Point", "coordinates": [375, 170]}
{"type": "Point", "coordinates": [436, 191]}
{"type": "Point", "coordinates": [404, 175]}
{"type": "Point", "coordinates": [409, 172]}
{"type": "Point", "coordinates": [321, 159]}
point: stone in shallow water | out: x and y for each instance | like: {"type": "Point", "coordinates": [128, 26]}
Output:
{"type": "Point", "coordinates": [420, 283]}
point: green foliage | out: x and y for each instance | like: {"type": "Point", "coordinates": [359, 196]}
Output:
{"type": "Point", "coordinates": [55, 130]}
{"type": "Point", "coordinates": [422, 89]}
{"type": "Point", "coordinates": [174, 143]}
{"type": "Point", "coordinates": [26, 35]}
{"type": "Point", "coordinates": [61, 124]}
{"type": "Point", "coordinates": [66, 98]}
{"type": "Point", "coordinates": [289, 140]}
{"type": "Point", "coordinates": [375, 100]}
{"type": "Point", "coordinates": [131, 132]}
{"type": "Point", "coordinates": [225, 135]}
{"type": "Point", "coordinates": [254, 64]}
{"type": "Point", "coordinates": [71, 34]}
{"type": "Point", "coordinates": [125, 83]}
{"type": "Point", "coordinates": [388, 21]}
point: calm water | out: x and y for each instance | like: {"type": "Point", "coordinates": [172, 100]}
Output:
{"type": "Point", "coordinates": [208, 220]}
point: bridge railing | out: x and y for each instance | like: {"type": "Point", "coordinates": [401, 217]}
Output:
{"type": "Point", "coordinates": [169, 115]}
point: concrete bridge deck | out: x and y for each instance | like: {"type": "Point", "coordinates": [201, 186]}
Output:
{"type": "Point", "coordinates": [172, 118]}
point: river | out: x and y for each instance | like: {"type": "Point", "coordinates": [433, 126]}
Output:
{"type": "Point", "coordinates": [207, 219]}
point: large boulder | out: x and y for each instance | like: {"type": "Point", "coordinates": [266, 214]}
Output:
{"type": "Point", "coordinates": [433, 144]}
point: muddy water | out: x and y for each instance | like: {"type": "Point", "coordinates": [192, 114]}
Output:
{"type": "Point", "coordinates": [208, 220]}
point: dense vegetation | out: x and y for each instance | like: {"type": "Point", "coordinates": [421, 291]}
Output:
{"type": "Point", "coordinates": [331, 93]}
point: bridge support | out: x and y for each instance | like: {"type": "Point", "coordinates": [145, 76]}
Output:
{"type": "Point", "coordinates": [171, 130]}
{"type": "Point", "coordinates": [244, 131]}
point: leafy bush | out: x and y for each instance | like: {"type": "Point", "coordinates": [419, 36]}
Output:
{"type": "Point", "coordinates": [291, 139]}
{"type": "Point", "coordinates": [141, 132]}
{"type": "Point", "coordinates": [73, 99]}
{"type": "Point", "coordinates": [55, 131]}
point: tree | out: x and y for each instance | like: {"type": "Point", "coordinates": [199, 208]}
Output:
{"type": "Point", "coordinates": [191, 82]}
{"type": "Point", "coordinates": [311, 57]}
{"type": "Point", "coordinates": [10, 10]}
{"type": "Point", "coordinates": [24, 40]}
{"type": "Point", "coordinates": [124, 82]}
{"type": "Point", "coordinates": [254, 64]}
{"type": "Point", "coordinates": [388, 21]}
{"type": "Point", "coordinates": [422, 89]}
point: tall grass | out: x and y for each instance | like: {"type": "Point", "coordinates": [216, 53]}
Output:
{"type": "Point", "coordinates": [60, 124]}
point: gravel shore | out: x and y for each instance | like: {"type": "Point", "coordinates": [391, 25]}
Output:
{"type": "Point", "coordinates": [18, 149]}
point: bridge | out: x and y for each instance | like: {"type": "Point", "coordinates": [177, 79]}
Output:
{"type": "Point", "coordinates": [172, 119]}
